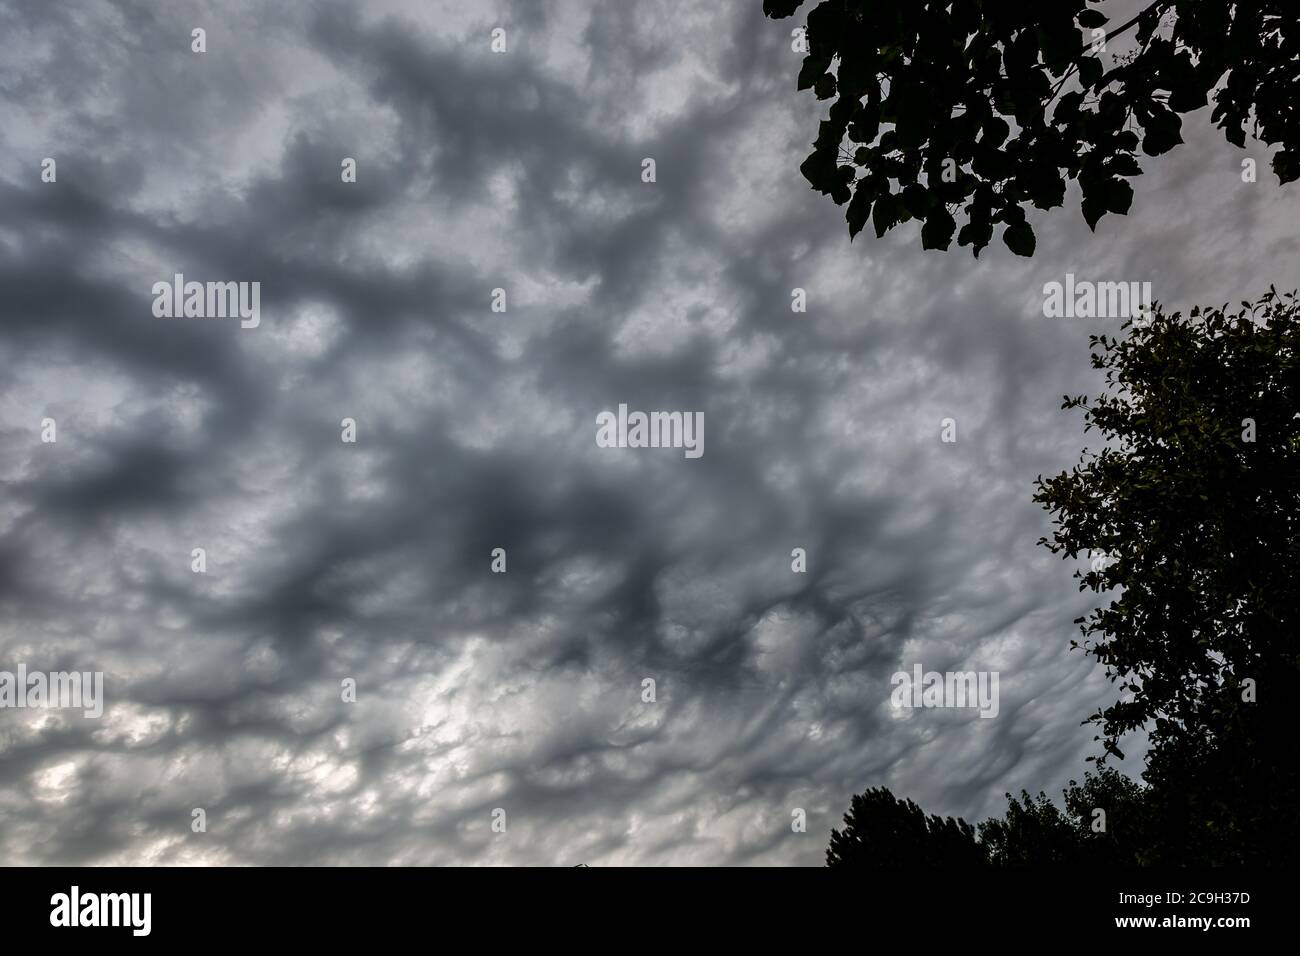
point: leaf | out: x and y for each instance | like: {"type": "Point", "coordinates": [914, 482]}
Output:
{"type": "Point", "coordinates": [884, 214]}
{"type": "Point", "coordinates": [840, 191]}
{"type": "Point", "coordinates": [1090, 71]}
{"type": "Point", "coordinates": [1162, 126]}
{"type": "Point", "coordinates": [819, 169]}
{"type": "Point", "coordinates": [1118, 196]}
{"type": "Point", "coordinates": [917, 200]}
{"type": "Point", "coordinates": [854, 76]}
{"type": "Point", "coordinates": [1020, 239]}
{"type": "Point", "coordinates": [1286, 164]}
{"type": "Point", "coordinates": [1067, 108]}
{"type": "Point", "coordinates": [938, 229]}
{"type": "Point", "coordinates": [1158, 141]}
{"type": "Point", "coordinates": [1092, 19]}
{"type": "Point", "coordinates": [1124, 164]}
{"type": "Point", "coordinates": [812, 70]}
{"type": "Point", "coordinates": [995, 132]}
{"type": "Point", "coordinates": [976, 234]}
{"type": "Point", "coordinates": [1093, 210]}
{"type": "Point", "coordinates": [780, 9]}
{"type": "Point", "coordinates": [865, 123]}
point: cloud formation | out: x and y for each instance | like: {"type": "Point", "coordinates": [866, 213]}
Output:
{"type": "Point", "coordinates": [476, 430]}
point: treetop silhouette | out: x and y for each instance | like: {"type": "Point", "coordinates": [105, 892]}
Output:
{"type": "Point", "coordinates": [966, 112]}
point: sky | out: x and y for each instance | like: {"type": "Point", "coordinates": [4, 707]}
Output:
{"type": "Point", "coordinates": [501, 717]}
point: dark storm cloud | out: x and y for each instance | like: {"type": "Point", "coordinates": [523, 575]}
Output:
{"type": "Point", "coordinates": [476, 431]}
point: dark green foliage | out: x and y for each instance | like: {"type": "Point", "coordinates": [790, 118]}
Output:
{"type": "Point", "coordinates": [1033, 832]}
{"type": "Point", "coordinates": [1203, 529]}
{"type": "Point", "coordinates": [1036, 833]}
{"type": "Point", "coordinates": [881, 830]}
{"type": "Point", "coordinates": [1129, 837]}
{"type": "Point", "coordinates": [1012, 97]}
{"type": "Point", "coordinates": [1201, 525]}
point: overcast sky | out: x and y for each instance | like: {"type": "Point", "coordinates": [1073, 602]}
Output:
{"type": "Point", "coordinates": [476, 430]}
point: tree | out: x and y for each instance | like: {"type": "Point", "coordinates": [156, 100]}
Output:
{"type": "Point", "coordinates": [1193, 508]}
{"type": "Point", "coordinates": [973, 110]}
{"type": "Point", "coordinates": [881, 830]}
{"type": "Point", "coordinates": [1033, 833]}
{"type": "Point", "coordinates": [1189, 516]}
{"type": "Point", "coordinates": [1127, 834]}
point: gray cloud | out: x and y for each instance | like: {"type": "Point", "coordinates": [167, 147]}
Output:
{"type": "Point", "coordinates": [476, 431]}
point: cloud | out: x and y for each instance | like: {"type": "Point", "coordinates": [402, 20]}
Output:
{"type": "Point", "coordinates": [371, 561]}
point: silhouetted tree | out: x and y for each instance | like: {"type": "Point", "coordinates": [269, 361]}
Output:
{"type": "Point", "coordinates": [881, 830]}
{"type": "Point", "coordinates": [948, 110]}
{"type": "Point", "coordinates": [1125, 835]}
{"type": "Point", "coordinates": [1191, 516]}
{"type": "Point", "coordinates": [1034, 832]}
{"type": "Point", "coordinates": [1195, 502]}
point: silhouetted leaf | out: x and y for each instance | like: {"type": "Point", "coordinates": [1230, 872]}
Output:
{"type": "Point", "coordinates": [1009, 101]}
{"type": "Point", "coordinates": [778, 9]}
{"type": "Point", "coordinates": [1092, 19]}
{"type": "Point", "coordinates": [1020, 239]}
{"type": "Point", "coordinates": [938, 229]}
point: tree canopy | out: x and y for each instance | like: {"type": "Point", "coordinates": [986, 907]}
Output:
{"type": "Point", "coordinates": [1187, 521]}
{"type": "Point", "coordinates": [883, 831]}
{"type": "Point", "coordinates": [961, 114]}
{"type": "Point", "coordinates": [1194, 503]}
